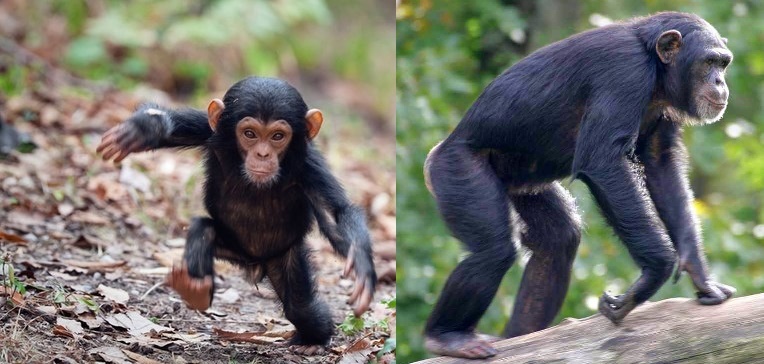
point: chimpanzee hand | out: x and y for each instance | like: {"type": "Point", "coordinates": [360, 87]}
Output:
{"type": "Point", "coordinates": [197, 293]}
{"type": "Point", "coordinates": [144, 130]}
{"type": "Point", "coordinates": [709, 291]}
{"type": "Point", "coordinates": [714, 293]}
{"type": "Point", "coordinates": [361, 265]}
{"type": "Point", "coordinates": [615, 308]}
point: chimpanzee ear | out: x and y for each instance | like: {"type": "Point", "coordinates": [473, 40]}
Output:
{"type": "Point", "coordinates": [214, 109]}
{"type": "Point", "coordinates": [668, 45]}
{"type": "Point", "coordinates": [313, 119]}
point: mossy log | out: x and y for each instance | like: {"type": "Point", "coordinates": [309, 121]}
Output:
{"type": "Point", "coordinates": [676, 330]}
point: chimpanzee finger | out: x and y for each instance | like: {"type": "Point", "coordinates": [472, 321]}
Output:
{"type": "Point", "coordinates": [175, 274]}
{"type": "Point", "coordinates": [110, 151]}
{"type": "Point", "coordinates": [122, 155]}
{"type": "Point", "coordinates": [349, 263]}
{"type": "Point", "coordinates": [357, 289]}
{"type": "Point", "coordinates": [124, 152]}
{"type": "Point", "coordinates": [364, 301]}
{"type": "Point", "coordinates": [728, 291]}
{"type": "Point", "coordinates": [106, 140]}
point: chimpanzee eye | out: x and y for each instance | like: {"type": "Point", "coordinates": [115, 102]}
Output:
{"type": "Point", "coordinates": [278, 136]}
{"type": "Point", "coordinates": [250, 134]}
{"type": "Point", "coordinates": [710, 61]}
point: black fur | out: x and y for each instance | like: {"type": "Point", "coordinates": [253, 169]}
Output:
{"type": "Point", "coordinates": [599, 106]}
{"type": "Point", "coordinates": [264, 228]}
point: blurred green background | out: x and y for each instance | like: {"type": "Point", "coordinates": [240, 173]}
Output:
{"type": "Point", "coordinates": [339, 53]}
{"type": "Point", "coordinates": [448, 51]}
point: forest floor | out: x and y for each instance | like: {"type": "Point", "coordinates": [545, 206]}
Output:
{"type": "Point", "coordinates": [85, 246]}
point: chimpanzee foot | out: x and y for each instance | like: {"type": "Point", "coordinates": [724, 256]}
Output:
{"type": "Point", "coordinates": [197, 293]}
{"type": "Point", "coordinates": [307, 349]}
{"type": "Point", "coordinates": [298, 346]}
{"type": "Point", "coordinates": [714, 293]}
{"type": "Point", "coordinates": [460, 344]}
{"type": "Point", "coordinates": [615, 308]}
{"type": "Point", "coordinates": [488, 338]}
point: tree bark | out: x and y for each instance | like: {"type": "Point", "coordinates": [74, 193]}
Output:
{"type": "Point", "coordinates": [676, 330]}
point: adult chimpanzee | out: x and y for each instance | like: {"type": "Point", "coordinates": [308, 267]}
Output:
{"type": "Point", "coordinates": [606, 106]}
{"type": "Point", "coordinates": [265, 184]}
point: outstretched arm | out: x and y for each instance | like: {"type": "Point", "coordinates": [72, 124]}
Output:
{"type": "Point", "coordinates": [344, 225]}
{"type": "Point", "coordinates": [154, 127]}
{"type": "Point", "coordinates": [664, 157]}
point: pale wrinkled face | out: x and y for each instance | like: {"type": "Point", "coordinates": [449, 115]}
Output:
{"type": "Point", "coordinates": [696, 66]}
{"type": "Point", "coordinates": [711, 93]}
{"type": "Point", "coordinates": [262, 146]}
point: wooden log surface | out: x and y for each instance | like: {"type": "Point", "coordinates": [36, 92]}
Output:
{"type": "Point", "coordinates": [676, 330]}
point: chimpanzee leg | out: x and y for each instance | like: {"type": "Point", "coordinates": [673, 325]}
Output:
{"type": "Point", "coordinates": [291, 277]}
{"type": "Point", "coordinates": [552, 233]}
{"type": "Point", "coordinates": [194, 279]}
{"type": "Point", "coordinates": [475, 206]}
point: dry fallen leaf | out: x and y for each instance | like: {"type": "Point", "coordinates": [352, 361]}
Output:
{"type": "Point", "coordinates": [257, 337]}
{"type": "Point", "coordinates": [90, 320]}
{"type": "Point", "coordinates": [138, 358]}
{"type": "Point", "coordinates": [111, 354]}
{"type": "Point", "coordinates": [231, 295]}
{"type": "Point", "coordinates": [356, 357]}
{"type": "Point", "coordinates": [359, 345]}
{"type": "Point", "coordinates": [114, 294]}
{"type": "Point", "coordinates": [135, 324]}
{"type": "Point", "coordinates": [62, 275]}
{"type": "Point", "coordinates": [12, 238]}
{"type": "Point", "coordinates": [67, 327]}
{"type": "Point", "coordinates": [96, 266]}
{"type": "Point", "coordinates": [16, 297]}
{"type": "Point", "coordinates": [89, 218]}
{"type": "Point", "coordinates": [188, 338]}
{"type": "Point", "coordinates": [47, 310]}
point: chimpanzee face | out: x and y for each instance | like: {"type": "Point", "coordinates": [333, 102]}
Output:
{"type": "Point", "coordinates": [707, 70]}
{"type": "Point", "coordinates": [696, 69]}
{"type": "Point", "coordinates": [265, 119]}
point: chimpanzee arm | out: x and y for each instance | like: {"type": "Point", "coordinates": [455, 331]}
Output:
{"type": "Point", "coordinates": [347, 232]}
{"type": "Point", "coordinates": [606, 140]}
{"type": "Point", "coordinates": [665, 160]}
{"type": "Point", "coordinates": [153, 127]}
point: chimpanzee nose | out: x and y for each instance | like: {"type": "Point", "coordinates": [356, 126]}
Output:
{"type": "Point", "coordinates": [719, 81]}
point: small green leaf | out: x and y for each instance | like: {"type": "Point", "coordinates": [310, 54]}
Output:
{"type": "Point", "coordinates": [351, 325]}
{"type": "Point", "coordinates": [390, 302]}
{"type": "Point", "coordinates": [92, 305]}
{"type": "Point", "coordinates": [389, 347]}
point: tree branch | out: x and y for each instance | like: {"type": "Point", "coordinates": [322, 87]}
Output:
{"type": "Point", "coordinates": [674, 330]}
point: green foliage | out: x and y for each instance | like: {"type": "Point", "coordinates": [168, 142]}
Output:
{"type": "Point", "coordinates": [12, 81]}
{"type": "Point", "coordinates": [389, 347]}
{"type": "Point", "coordinates": [351, 325]}
{"type": "Point", "coordinates": [260, 29]}
{"type": "Point", "coordinates": [390, 303]}
{"type": "Point", "coordinates": [449, 51]}
{"type": "Point", "coordinates": [9, 278]}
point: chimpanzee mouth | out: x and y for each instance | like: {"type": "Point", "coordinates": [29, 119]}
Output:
{"type": "Point", "coordinates": [717, 104]}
